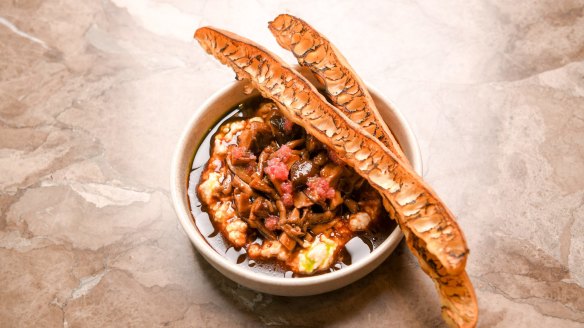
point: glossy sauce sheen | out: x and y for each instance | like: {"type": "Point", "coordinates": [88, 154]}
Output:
{"type": "Point", "coordinates": [355, 250]}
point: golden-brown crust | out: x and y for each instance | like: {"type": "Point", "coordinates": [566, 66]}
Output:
{"type": "Point", "coordinates": [458, 299]}
{"type": "Point", "coordinates": [430, 229]}
{"type": "Point", "coordinates": [456, 293]}
{"type": "Point", "coordinates": [343, 86]}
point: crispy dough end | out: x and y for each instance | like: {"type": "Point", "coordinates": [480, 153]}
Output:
{"type": "Point", "coordinates": [458, 299]}
{"type": "Point", "coordinates": [455, 291]}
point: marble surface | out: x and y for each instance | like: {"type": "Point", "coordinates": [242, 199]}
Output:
{"type": "Point", "coordinates": [94, 95]}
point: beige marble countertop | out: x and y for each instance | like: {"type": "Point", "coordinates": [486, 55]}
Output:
{"type": "Point", "coordinates": [94, 95]}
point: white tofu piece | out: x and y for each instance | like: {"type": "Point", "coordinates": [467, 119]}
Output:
{"type": "Point", "coordinates": [359, 221]}
{"type": "Point", "coordinates": [318, 256]}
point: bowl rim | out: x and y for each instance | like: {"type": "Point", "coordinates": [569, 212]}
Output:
{"type": "Point", "coordinates": [187, 219]}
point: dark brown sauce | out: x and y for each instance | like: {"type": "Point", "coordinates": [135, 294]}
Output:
{"type": "Point", "coordinates": [355, 250]}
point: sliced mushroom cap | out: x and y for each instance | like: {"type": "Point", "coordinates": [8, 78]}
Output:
{"type": "Point", "coordinates": [300, 172]}
{"type": "Point", "coordinates": [301, 200]}
{"type": "Point", "coordinates": [242, 204]}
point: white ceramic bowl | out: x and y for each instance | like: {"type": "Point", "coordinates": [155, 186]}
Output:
{"type": "Point", "coordinates": [204, 118]}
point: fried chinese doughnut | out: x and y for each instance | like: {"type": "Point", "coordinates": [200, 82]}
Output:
{"type": "Point", "coordinates": [429, 227]}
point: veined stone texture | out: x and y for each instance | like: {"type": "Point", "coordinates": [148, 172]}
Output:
{"type": "Point", "coordinates": [94, 96]}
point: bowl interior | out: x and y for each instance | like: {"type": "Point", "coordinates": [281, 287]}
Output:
{"type": "Point", "coordinates": [204, 119]}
